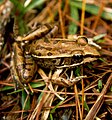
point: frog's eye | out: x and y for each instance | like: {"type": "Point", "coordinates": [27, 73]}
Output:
{"type": "Point", "coordinates": [82, 40]}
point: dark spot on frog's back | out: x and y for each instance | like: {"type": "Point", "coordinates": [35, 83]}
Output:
{"type": "Point", "coordinates": [39, 54]}
{"type": "Point", "coordinates": [49, 53]}
{"type": "Point", "coordinates": [49, 48]}
{"type": "Point", "coordinates": [39, 47]}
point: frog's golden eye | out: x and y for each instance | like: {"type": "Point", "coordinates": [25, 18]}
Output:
{"type": "Point", "coordinates": [82, 40]}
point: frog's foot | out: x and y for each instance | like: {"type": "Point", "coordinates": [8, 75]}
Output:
{"type": "Point", "coordinates": [64, 79]}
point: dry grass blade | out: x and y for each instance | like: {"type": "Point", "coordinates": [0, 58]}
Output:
{"type": "Point", "coordinates": [96, 107]}
{"type": "Point", "coordinates": [61, 18]}
{"type": "Point", "coordinates": [77, 103]}
{"type": "Point", "coordinates": [82, 17]}
{"type": "Point", "coordinates": [38, 108]}
{"type": "Point", "coordinates": [49, 83]}
{"type": "Point", "coordinates": [48, 103]}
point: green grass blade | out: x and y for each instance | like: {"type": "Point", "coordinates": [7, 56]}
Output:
{"type": "Point", "coordinates": [75, 15]}
{"type": "Point", "coordinates": [100, 84]}
{"type": "Point", "coordinates": [25, 104]}
{"type": "Point", "coordinates": [33, 4]}
{"type": "Point", "coordinates": [53, 110]}
{"type": "Point", "coordinates": [92, 9]}
{"type": "Point", "coordinates": [18, 6]}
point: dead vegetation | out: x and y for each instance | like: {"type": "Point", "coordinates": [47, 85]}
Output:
{"type": "Point", "coordinates": [91, 97]}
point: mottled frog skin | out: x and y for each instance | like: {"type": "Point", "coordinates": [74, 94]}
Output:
{"type": "Point", "coordinates": [40, 48]}
{"type": "Point", "coordinates": [62, 53]}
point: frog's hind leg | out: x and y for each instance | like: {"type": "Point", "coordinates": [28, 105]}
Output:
{"type": "Point", "coordinates": [14, 73]}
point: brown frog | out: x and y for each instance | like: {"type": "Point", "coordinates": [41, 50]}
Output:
{"type": "Point", "coordinates": [40, 48]}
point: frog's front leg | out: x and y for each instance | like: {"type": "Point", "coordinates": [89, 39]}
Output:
{"type": "Point", "coordinates": [23, 66]}
{"type": "Point", "coordinates": [60, 77]}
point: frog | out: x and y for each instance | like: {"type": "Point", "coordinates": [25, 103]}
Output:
{"type": "Point", "coordinates": [40, 49]}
